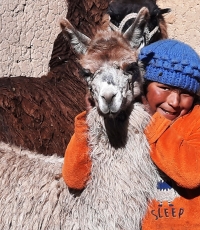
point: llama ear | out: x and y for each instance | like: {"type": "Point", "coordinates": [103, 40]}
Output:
{"type": "Point", "coordinates": [105, 23]}
{"type": "Point", "coordinates": [78, 40]}
{"type": "Point", "coordinates": [134, 34]}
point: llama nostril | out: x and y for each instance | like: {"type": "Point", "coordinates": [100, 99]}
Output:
{"type": "Point", "coordinates": [108, 97]}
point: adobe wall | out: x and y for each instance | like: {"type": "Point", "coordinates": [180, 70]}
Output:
{"type": "Point", "coordinates": [183, 21]}
{"type": "Point", "coordinates": [28, 29]}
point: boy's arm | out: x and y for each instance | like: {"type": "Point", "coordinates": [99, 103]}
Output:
{"type": "Point", "coordinates": [176, 151]}
{"type": "Point", "coordinates": [77, 163]}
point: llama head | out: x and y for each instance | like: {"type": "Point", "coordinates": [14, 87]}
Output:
{"type": "Point", "coordinates": [109, 64]}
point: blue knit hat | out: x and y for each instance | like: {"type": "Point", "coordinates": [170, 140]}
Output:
{"type": "Point", "coordinates": [172, 62]}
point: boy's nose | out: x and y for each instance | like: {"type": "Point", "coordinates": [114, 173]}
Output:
{"type": "Point", "coordinates": [174, 99]}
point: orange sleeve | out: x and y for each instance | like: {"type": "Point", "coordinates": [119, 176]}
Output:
{"type": "Point", "coordinates": [77, 163]}
{"type": "Point", "coordinates": [177, 150]}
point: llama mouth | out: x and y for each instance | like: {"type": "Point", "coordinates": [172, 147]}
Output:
{"type": "Point", "coordinates": [120, 116]}
{"type": "Point", "coordinates": [111, 115]}
{"type": "Point", "coordinates": [109, 112]}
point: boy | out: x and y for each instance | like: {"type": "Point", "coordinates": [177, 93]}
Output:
{"type": "Point", "coordinates": [172, 87]}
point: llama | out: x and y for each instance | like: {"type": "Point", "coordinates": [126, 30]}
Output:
{"type": "Point", "coordinates": [34, 196]}
{"type": "Point", "coordinates": [119, 150]}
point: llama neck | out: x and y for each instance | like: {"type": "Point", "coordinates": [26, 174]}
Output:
{"type": "Point", "coordinates": [115, 179]}
{"type": "Point", "coordinates": [114, 129]}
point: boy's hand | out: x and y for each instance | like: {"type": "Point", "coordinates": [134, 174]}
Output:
{"type": "Point", "coordinates": [156, 127]}
{"type": "Point", "coordinates": [77, 163]}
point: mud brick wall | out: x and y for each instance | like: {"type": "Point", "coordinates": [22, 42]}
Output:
{"type": "Point", "coordinates": [183, 21]}
{"type": "Point", "coordinates": [28, 29]}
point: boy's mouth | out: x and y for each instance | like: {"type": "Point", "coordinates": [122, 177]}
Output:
{"type": "Point", "coordinates": [168, 112]}
{"type": "Point", "coordinates": [170, 115]}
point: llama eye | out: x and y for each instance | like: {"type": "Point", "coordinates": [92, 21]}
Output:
{"type": "Point", "coordinates": [133, 69]}
{"type": "Point", "coordinates": [85, 72]}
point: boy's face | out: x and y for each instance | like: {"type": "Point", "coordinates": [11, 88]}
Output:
{"type": "Point", "coordinates": [169, 101]}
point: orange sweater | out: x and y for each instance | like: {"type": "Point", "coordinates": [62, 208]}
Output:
{"type": "Point", "coordinates": [175, 149]}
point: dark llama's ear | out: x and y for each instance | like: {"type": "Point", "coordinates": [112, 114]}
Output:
{"type": "Point", "coordinates": [78, 40]}
{"type": "Point", "coordinates": [134, 34]}
{"type": "Point", "coordinates": [165, 11]}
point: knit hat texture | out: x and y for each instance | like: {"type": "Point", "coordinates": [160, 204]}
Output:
{"type": "Point", "coordinates": [173, 63]}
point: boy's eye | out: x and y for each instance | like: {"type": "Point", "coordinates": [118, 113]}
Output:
{"type": "Point", "coordinates": [187, 94]}
{"type": "Point", "coordinates": [164, 87]}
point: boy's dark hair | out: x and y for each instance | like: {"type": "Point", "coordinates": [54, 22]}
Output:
{"type": "Point", "coordinates": [145, 86]}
